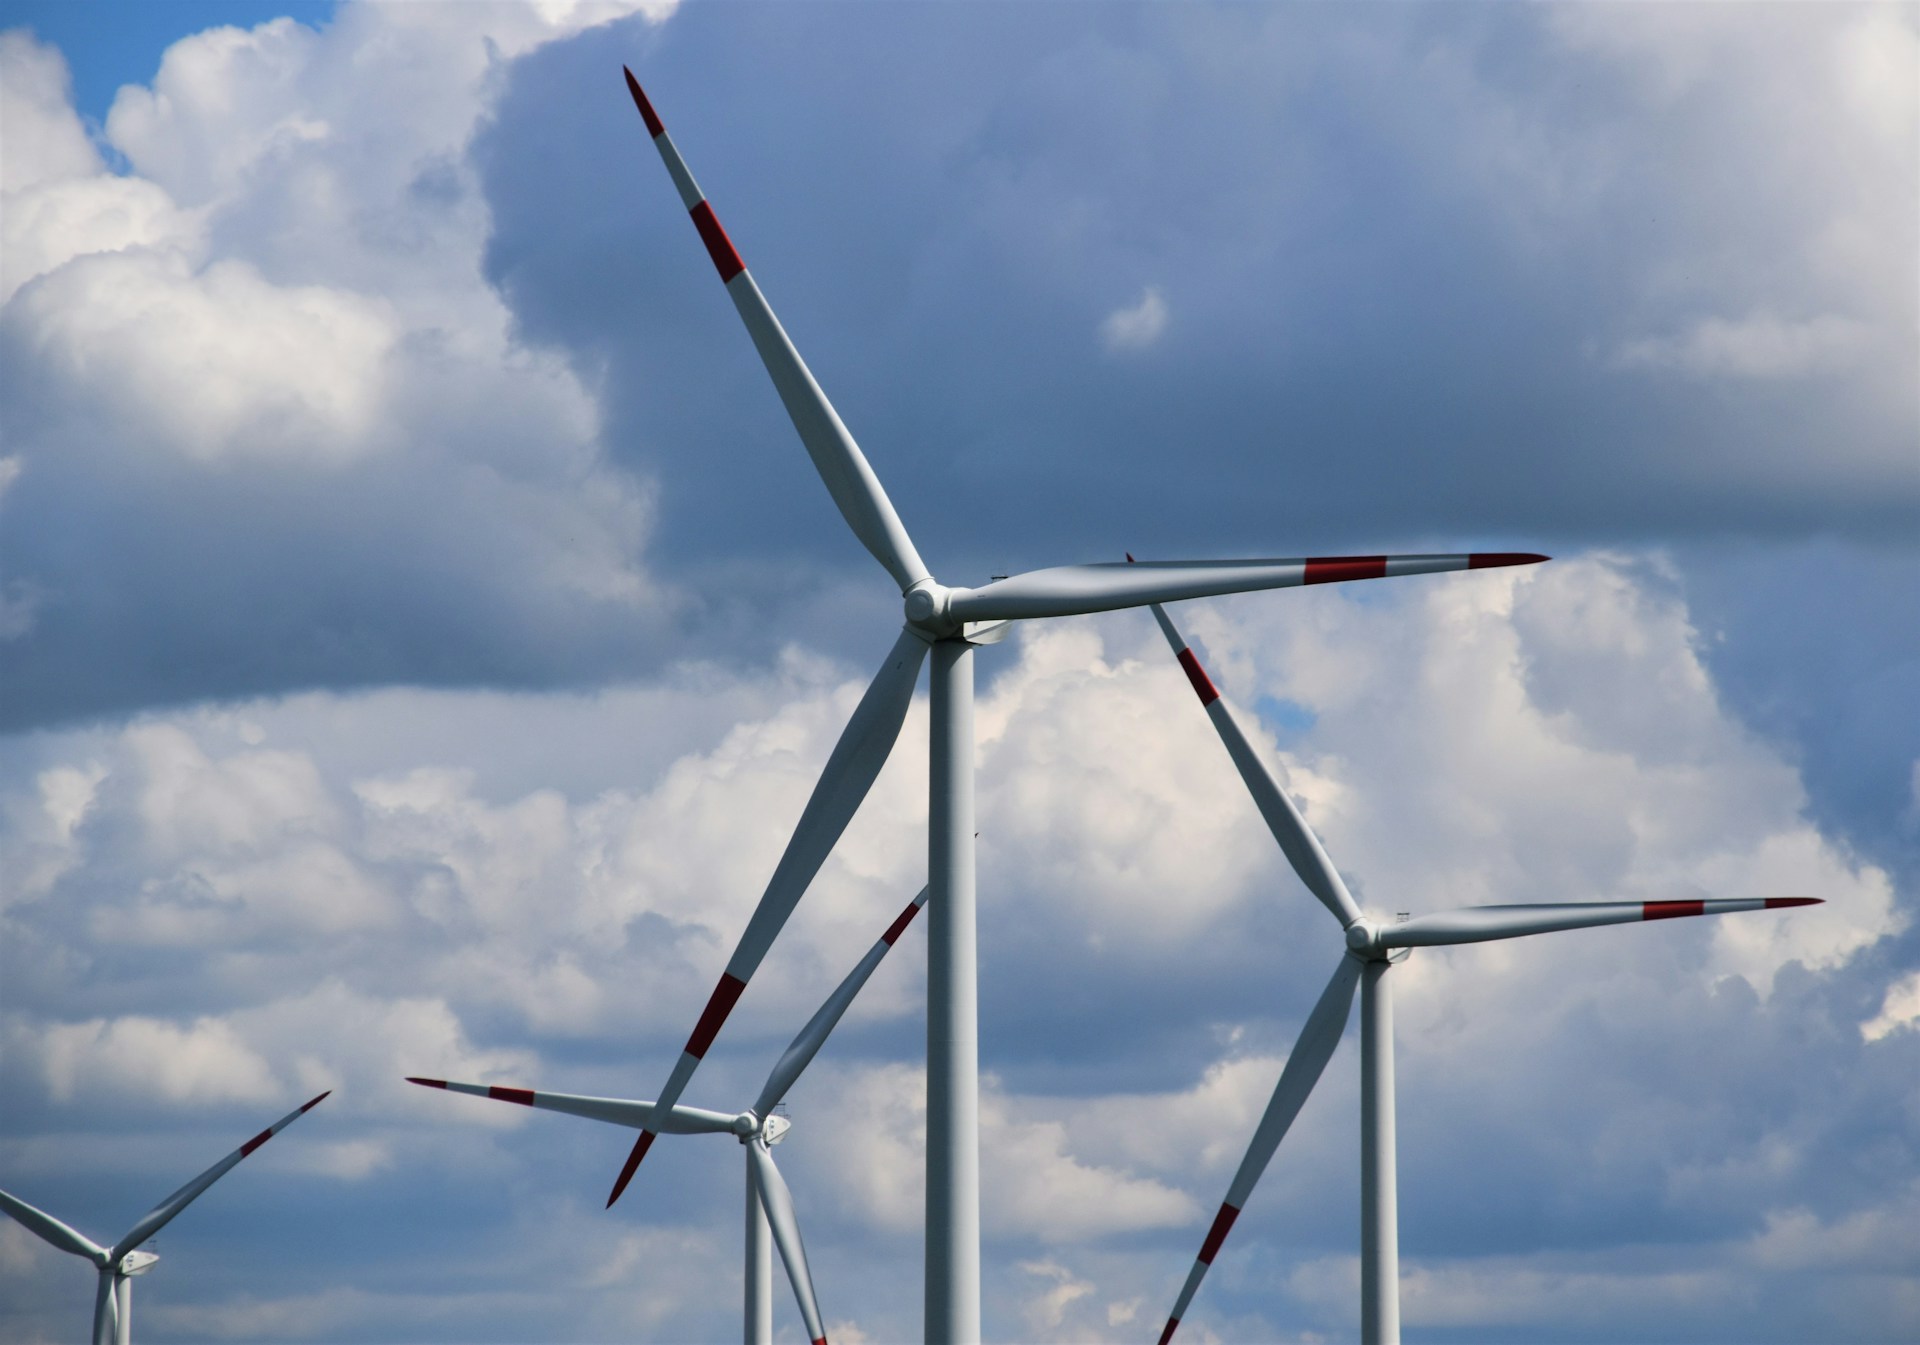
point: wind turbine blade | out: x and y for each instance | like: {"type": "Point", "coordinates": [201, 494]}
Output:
{"type": "Point", "coordinates": [849, 774]}
{"type": "Point", "coordinates": [778, 1202]}
{"type": "Point", "coordinates": [613, 1110]}
{"type": "Point", "coordinates": [1305, 1063]}
{"type": "Point", "coordinates": [157, 1217]}
{"type": "Point", "coordinates": [807, 1043]}
{"type": "Point", "coordinates": [1477, 924]}
{"type": "Point", "coordinates": [842, 466]}
{"type": "Point", "coordinates": [105, 1308]}
{"type": "Point", "coordinates": [1302, 847]}
{"type": "Point", "coordinates": [1070, 590]}
{"type": "Point", "coordinates": [50, 1229]}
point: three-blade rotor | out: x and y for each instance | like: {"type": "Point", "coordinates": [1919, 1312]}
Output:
{"type": "Point", "coordinates": [1367, 941]}
{"type": "Point", "coordinates": [757, 1127]}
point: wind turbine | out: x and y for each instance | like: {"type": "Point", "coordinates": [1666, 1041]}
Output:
{"type": "Point", "coordinates": [118, 1264]}
{"type": "Point", "coordinates": [1373, 948]}
{"type": "Point", "coordinates": [757, 1128]}
{"type": "Point", "coordinates": [950, 622]}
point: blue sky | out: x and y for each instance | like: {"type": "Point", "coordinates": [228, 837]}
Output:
{"type": "Point", "coordinates": [419, 629]}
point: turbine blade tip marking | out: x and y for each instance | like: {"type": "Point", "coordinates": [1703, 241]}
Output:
{"type": "Point", "coordinates": [640, 1147]}
{"type": "Point", "coordinates": [256, 1141]}
{"type": "Point", "coordinates": [307, 1107]}
{"type": "Point", "coordinates": [1491, 560]}
{"type": "Point", "coordinates": [427, 1083]}
{"type": "Point", "coordinates": [1202, 684]}
{"type": "Point", "coordinates": [725, 996]}
{"type": "Point", "coordinates": [1337, 569]}
{"type": "Point", "coordinates": [640, 100]}
{"type": "Point", "coordinates": [1671, 910]}
{"type": "Point", "coordinates": [900, 923]}
{"type": "Point", "coordinates": [524, 1096]}
{"type": "Point", "coordinates": [719, 247]}
{"type": "Point", "coordinates": [1778, 903]}
{"type": "Point", "coordinates": [1173, 1324]}
{"type": "Point", "coordinates": [1222, 1223]}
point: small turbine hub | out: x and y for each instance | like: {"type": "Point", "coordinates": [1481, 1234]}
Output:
{"type": "Point", "coordinates": [926, 604]}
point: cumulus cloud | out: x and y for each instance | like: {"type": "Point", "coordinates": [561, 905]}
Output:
{"type": "Point", "coordinates": [1137, 327]}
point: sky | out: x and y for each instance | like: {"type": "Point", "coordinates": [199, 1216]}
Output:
{"type": "Point", "coordinates": [420, 630]}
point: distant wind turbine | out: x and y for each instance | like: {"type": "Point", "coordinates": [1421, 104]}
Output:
{"type": "Point", "coordinates": [118, 1264]}
{"type": "Point", "coordinates": [757, 1128]}
{"type": "Point", "coordinates": [950, 622]}
{"type": "Point", "coordinates": [1373, 948]}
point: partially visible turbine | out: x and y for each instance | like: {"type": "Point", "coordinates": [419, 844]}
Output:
{"type": "Point", "coordinates": [1372, 949]}
{"type": "Point", "coordinates": [118, 1264]}
{"type": "Point", "coordinates": [950, 622]}
{"type": "Point", "coordinates": [757, 1128]}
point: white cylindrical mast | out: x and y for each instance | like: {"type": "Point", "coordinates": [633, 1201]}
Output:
{"type": "Point", "coordinates": [759, 1265]}
{"type": "Point", "coordinates": [1379, 1196]}
{"type": "Point", "coordinates": [953, 1024]}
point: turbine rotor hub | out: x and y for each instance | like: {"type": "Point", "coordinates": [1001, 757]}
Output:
{"type": "Point", "coordinates": [927, 604]}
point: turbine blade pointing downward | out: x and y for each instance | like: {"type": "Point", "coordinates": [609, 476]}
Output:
{"type": "Point", "coordinates": [778, 1203]}
{"type": "Point", "coordinates": [49, 1229]}
{"type": "Point", "coordinates": [1072, 590]}
{"type": "Point", "coordinates": [855, 761]}
{"type": "Point", "coordinates": [160, 1215]}
{"type": "Point", "coordinates": [1302, 847]}
{"type": "Point", "coordinates": [1305, 1063]}
{"type": "Point", "coordinates": [842, 466]}
{"type": "Point", "coordinates": [1477, 924]}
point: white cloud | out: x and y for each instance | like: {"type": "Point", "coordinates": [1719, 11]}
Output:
{"type": "Point", "coordinates": [1900, 1009]}
{"type": "Point", "coordinates": [1137, 327]}
{"type": "Point", "coordinates": [203, 1062]}
{"type": "Point", "coordinates": [1761, 346]}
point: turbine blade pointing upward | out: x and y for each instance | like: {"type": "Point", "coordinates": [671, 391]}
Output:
{"type": "Point", "coordinates": [842, 466]}
{"type": "Point", "coordinates": [855, 761]}
{"type": "Point", "coordinates": [158, 1217]}
{"type": "Point", "coordinates": [1301, 846]}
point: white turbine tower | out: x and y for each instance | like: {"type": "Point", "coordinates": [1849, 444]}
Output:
{"type": "Point", "coordinates": [1373, 948]}
{"type": "Point", "coordinates": [949, 622]}
{"type": "Point", "coordinates": [118, 1264]}
{"type": "Point", "coordinates": [757, 1128]}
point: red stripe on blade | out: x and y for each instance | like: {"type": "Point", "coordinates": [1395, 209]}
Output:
{"type": "Point", "coordinates": [1202, 684]}
{"type": "Point", "coordinates": [316, 1102]}
{"type": "Point", "coordinates": [1173, 1324]}
{"type": "Point", "coordinates": [524, 1096]}
{"type": "Point", "coordinates": [1776, 903]}
{"type": "Point", "coordinates": [1218, 1233]}
{"type": "Point", "coordinates": [719, 246]}
{"type": "Point", "coordinates": [1669, 910]}
{"type": "Point", "coordinates": [725, 996]}
{"type": "Point", "coordinates": [255, 1142]}
{"type": "Point", "coordinates": [427, 1083]}
{"type": "Point", "coordinates": [1489, 560]}
{"type": "Point", "coordinates": [654, 127]}
{"type": "Point", "coordinates": [1334, 569]}
{"type": "Point", "coordinates": [900, 923]}
{"type": "Point", "coordinates": [640, 1147]}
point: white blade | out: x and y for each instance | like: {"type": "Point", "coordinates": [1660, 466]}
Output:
{"type": "Point", "coordinates": [778, 1202]}
{"type": "Point", "coordinates": [50, 1229]}
{"type": "Point", "coordinates": [855, 761]}
{"type": "Point", "coordinates": [157, 1217]}
{"type": "Point", "coordinates": [1302, 847]}
{"type": "Point", "coordinates": [1477, 924]}
{"type": "Point", "coordinates": [807, 1043]}
{"type": "Point", "coordinates": [838, 459]}
{"type": "Point", "coordinates": [1069, 590]}
{"type": "Point", "coordinates": [1305, 1064]}
{"type": "Point", "coordinates": [614, 1111]}
{"type": "Point", "coordinates": [105, 1310]}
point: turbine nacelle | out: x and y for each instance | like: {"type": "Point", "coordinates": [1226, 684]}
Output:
{"type": "Point", "coordinates": [138, 1263]}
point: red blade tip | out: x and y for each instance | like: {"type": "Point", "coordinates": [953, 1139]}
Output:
{"type": "Point", "coordinates": [647, 114]}
{"type": "Point", "coordinates": [1489, 560]}
{"type": "Point", "coordinates": [640, 1147]}
{"type": "Point", "coordinates": [317, 1101]}
{"type": "Point", "coordinates": [1775, 903]}
{"type": "Point", "coordinates": [427, 1083]}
